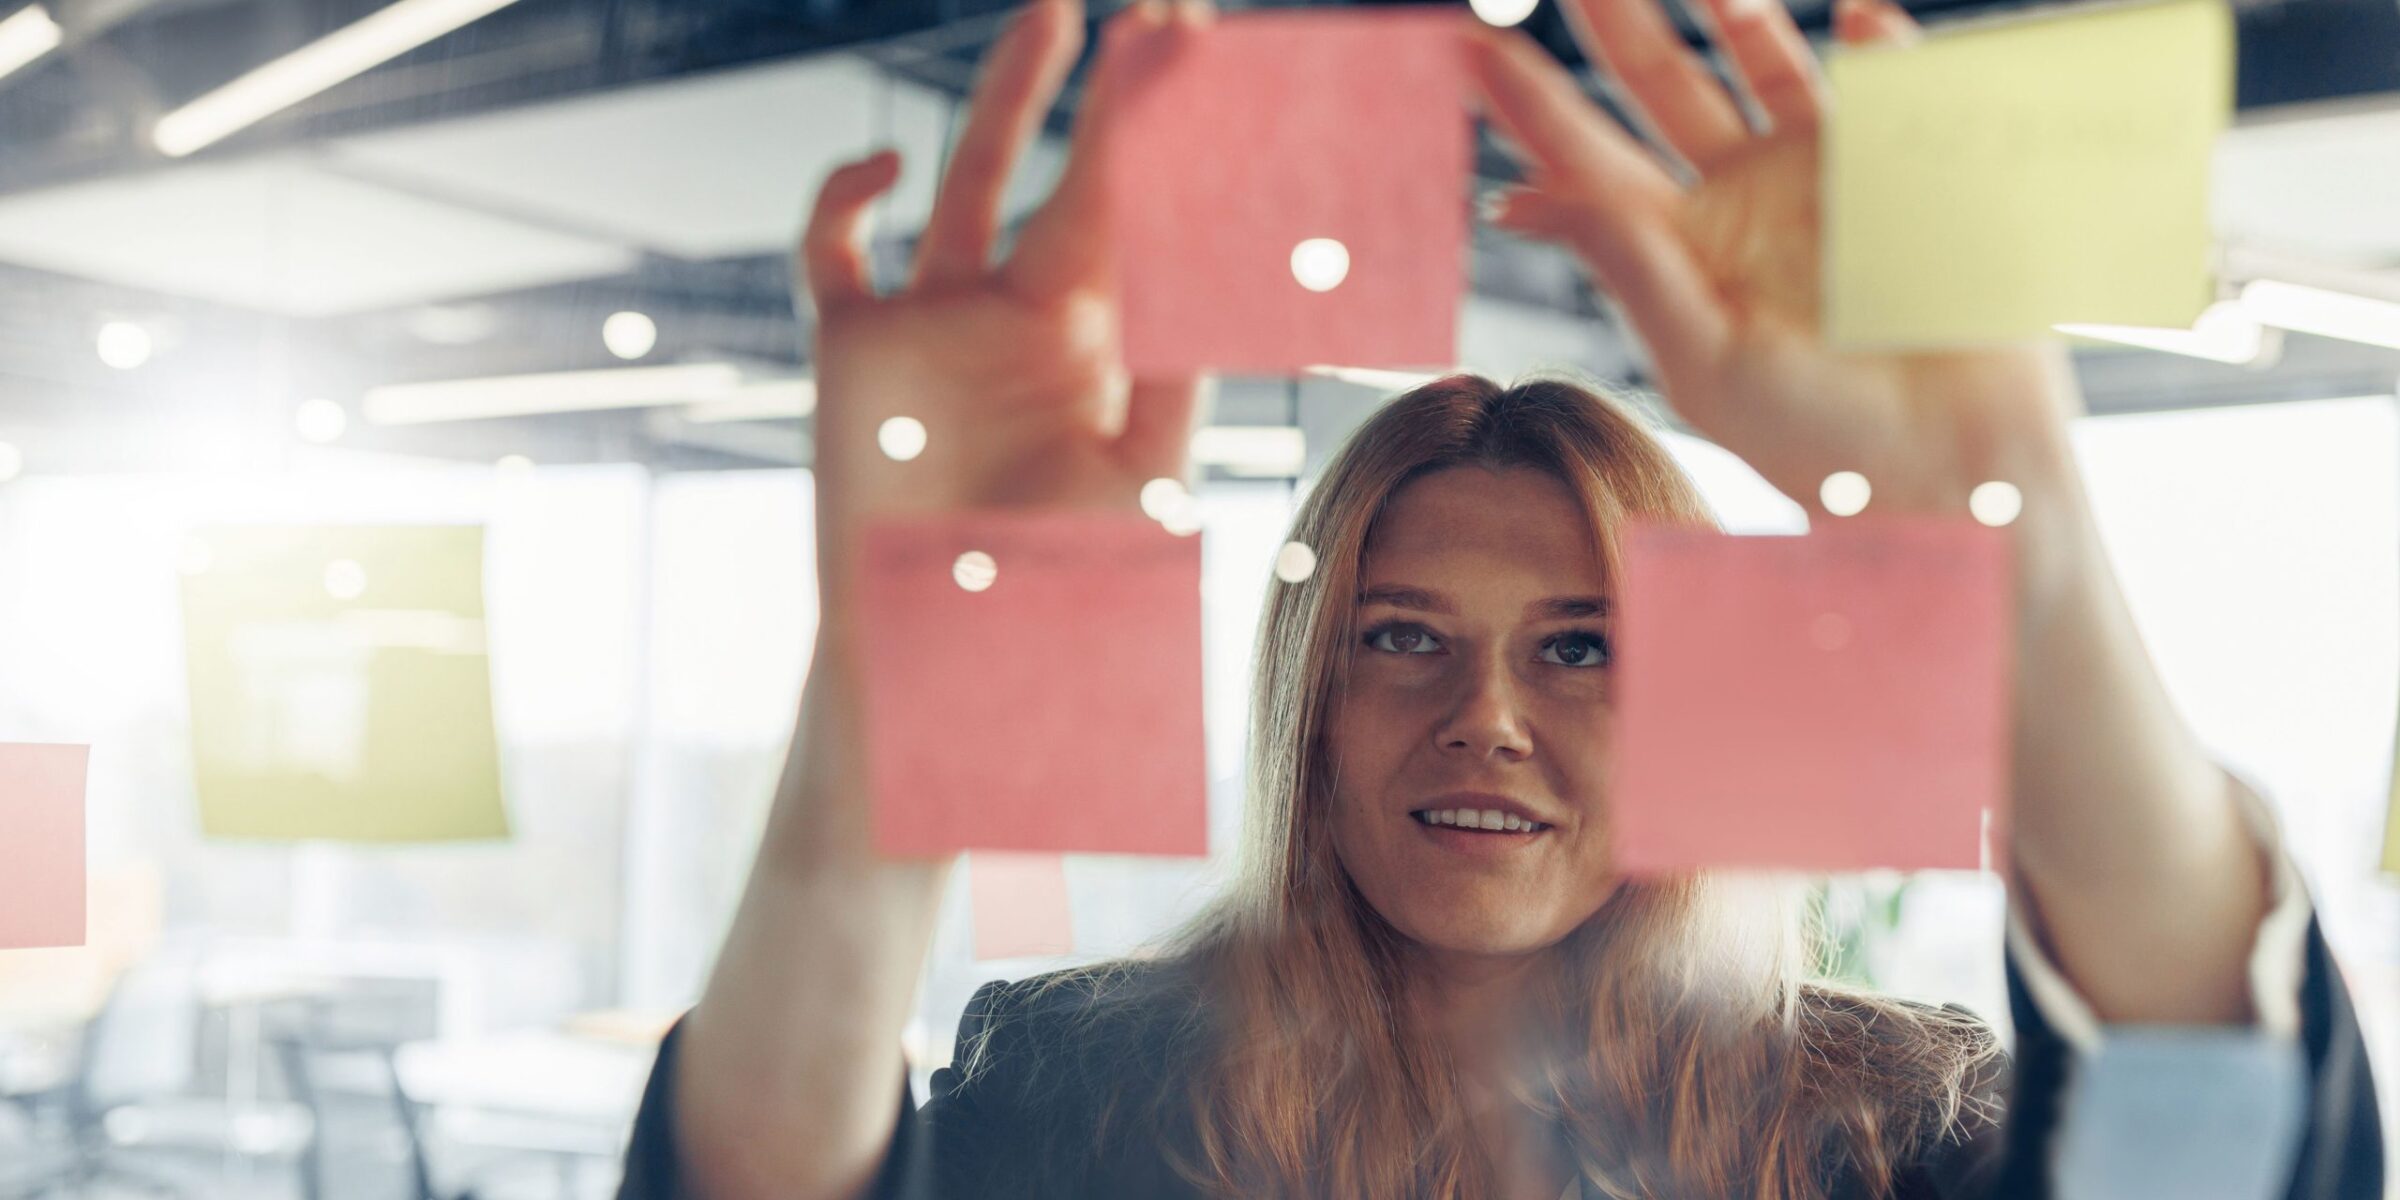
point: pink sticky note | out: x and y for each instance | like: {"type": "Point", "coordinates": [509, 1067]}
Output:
{"type": "Point", "coordinates": [1827, 702]}
{"type": "Point", "coordinates": [1020, 903]}
{"type": "Point", "coordinates": [1275, 130]}
{"type": "Point", "coordinates": [41, 845]}
{"type": "Point", "coordinates": [1055, 709]}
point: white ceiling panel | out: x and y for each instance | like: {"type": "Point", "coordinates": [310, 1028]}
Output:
{"type": "Point", "coordinates": [280, 235]}
{"type": "Point", "coordinates": [2326, 186]}
{"type": "Point", "coordinates": [712, 167]}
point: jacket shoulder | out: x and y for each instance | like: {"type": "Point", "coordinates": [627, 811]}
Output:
{"type": "Point", "coordinates": [1932, 1079]}
{"type": "Point", "coordinates": [1090, 1030]}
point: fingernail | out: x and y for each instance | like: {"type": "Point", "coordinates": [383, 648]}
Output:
{"type": "Point", "coordinates": [1493, 206]}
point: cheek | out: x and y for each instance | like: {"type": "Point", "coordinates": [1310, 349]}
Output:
{"type": "Point", "coordinates": [1372, 729]}
{"type": "Point", "coordinates": [1368, 743]}
{"type": "Point", "coordinates": [1576, 742]}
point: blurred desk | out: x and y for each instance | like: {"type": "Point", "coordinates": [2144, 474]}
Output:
{"type": "Point", "coordinates": [41, 1048]}
{"type": "Point", "coordinates": [564, 1095]}
{"type": "Point", "coordinates": [624, 1026]}
{"type": "Point", "coordinates": [48, 998]}
{"type": "Point", "coordinates": [37, 1061]}
{"type": "Point", "coordinates": [535, 1072]}
{"type": "Point", "coordinates": [242, 985]}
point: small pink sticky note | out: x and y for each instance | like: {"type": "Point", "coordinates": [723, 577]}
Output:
{"type": "Point", "coordinates": [1827, 702]}
{"type": "Point", "coordinates": [1033, 683]}
{"type": "Point", "coordinates": [41, 845]}
{"type": "Point", "coordinates": [1020, 903]}
{"type": "Point", "coordinates": [1278, 147]}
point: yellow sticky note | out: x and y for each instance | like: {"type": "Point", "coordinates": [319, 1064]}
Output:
{"type": "Point", "coordinates": [2391, 833]}
{"type": "Point", "coordinates": [339, 684]}
{"type": "Point", "coordinates": [1988, 184]}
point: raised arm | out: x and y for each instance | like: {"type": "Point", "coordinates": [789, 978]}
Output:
{"type": "Point", "coordinates": [788, 1075]}
{"type": "Point", "coordinates": [2127, 841]}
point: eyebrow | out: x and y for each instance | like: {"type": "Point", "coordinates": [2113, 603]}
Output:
{"type": "Point", "coordinates": [1554, 608]}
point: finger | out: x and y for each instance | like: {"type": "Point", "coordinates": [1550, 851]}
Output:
{"type": "Point", "coordinates": [1643, 262]}
{"type": "Point", "coordinates": [1538, 106]}
{"type": "Point", "coordinates": [1772, 58]}
{"type": "Point", "coordinates": [1666, 80]}
{"type": "Point", "coordinates": [1874, 22]}
{"type": "Point", "coordinates": [832, 261]}
{"type": "Point", "coordinates": [1020, 80]}
{"type": "Point", "coordinates": [1599, 195]}
{"type": "Point", "coordinates": [1159, 418]}
{"type": "Point", "coordinates": [1065, 244]}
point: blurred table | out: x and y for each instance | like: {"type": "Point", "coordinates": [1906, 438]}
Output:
{"type": "Point", "coordinates": [625, 1026]}
{"type": "Point", "coordinates": [568, 1094]}
{"type": "Point", "coordinates": [534, 1072]}
{"type": "Point", "coordinates": [38, 1059]}
{"type": "Point", "coordinates": [41, 1045]}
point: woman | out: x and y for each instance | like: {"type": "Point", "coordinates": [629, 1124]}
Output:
{"type": "Point", "coordinates": [1388, 1004]}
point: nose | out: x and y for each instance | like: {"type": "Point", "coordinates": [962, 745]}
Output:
{"type": "Point", "coordinates": [1487, 720]}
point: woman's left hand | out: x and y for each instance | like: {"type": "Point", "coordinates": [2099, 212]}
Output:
{"type": "Point", "coordinates": [1720, 278]}
{"type": "Point", "coordinates": [2139, 872]}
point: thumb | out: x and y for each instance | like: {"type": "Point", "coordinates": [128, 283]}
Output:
{"type": "Point", "coordinates": [1159, 418]}
{"type": "Point", "coordinates": [1874, 22]}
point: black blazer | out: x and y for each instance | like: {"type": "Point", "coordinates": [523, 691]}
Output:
{"type": "Point", "coordinates": [1030, 1123]}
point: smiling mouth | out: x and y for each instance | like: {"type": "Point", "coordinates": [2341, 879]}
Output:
{"type": "Point", "coordinates": [1478, 820]}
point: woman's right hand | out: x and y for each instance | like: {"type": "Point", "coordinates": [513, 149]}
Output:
{"type": "Point", "coordinates": [787, 1082]}
{"type": "Point", "coordinates": [1012, 367]}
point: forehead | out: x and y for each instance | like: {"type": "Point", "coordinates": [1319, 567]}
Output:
{"type": "Point", "coordinates": [1515, 525]}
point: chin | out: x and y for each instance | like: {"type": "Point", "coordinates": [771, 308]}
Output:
{"type": "Point", "coordinates": [1497, 935]}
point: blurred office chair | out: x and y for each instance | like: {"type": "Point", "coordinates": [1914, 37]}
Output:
{"type": "Point", "coordinates": [343, 1053]}
{"type": "Point", "coordinates": [132, 1100]}
{"type": "Point", "coordinates": [36, 1067]}
{"type": "Point", "coordinates": [336, 1049]}
{"type": "Point", "coordinates": [34, 1162]}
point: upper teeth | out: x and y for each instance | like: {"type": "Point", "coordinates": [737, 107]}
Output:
{"type": "Point", "coordinates": [1476, 818]}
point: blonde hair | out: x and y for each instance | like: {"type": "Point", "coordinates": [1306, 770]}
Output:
{"type": "Point", "coordinates": [1690, 1054]}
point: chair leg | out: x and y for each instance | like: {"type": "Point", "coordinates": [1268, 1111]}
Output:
{"type": "Point", "coordinates": [420, 1164]}
{"type": "Point", "coordinates": [309, 1164]}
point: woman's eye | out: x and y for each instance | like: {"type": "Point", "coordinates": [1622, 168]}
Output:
{"type": "Point", "coordinates": [1403, 639]}
{"type": "Point", "coordinates": [1576, 650]}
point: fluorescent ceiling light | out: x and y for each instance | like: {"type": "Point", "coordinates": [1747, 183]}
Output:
{"type": "Point", "coordinates": [2224, 333]}
{"type": "Point", "coordinates": [1271, 451]}
{"type": "Point", "coordinates": [559, 392]}
{"type": "Point", "coordinates": [347, 52]}
{"type": "Point", "coordinates": [453, 324]}
{"type": "Point", "coordinates": [1262, 451]}
{"type": "Point", "coordinates": [629, 335]}
{"type": "Point", "coordinates": [1390, 381]}
{"type": "Point", "coordinates": [2324, 313]}
{"type": "Point", "coordinates": [124, 345]}
{"type": "Point", "coordinates": [767, 443]}
{"type": "Point", "coordinates": [1504, 13]}
{"type": "Point", "coordinates": [767, 400]}
{"type": "Point", "coordinates": [26, 35]}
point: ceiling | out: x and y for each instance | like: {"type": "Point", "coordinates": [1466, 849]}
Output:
{"type": "Point", "coordinates": [480, 206]}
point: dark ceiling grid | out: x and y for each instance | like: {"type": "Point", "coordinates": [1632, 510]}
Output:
{"type": "Point", "coordinates": [2293, 51]}
{"type": "Point", "coordinates": [80, 114]}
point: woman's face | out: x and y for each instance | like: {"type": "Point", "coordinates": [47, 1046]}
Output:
{"type": "Point", "coordinates": [1478, 693]}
